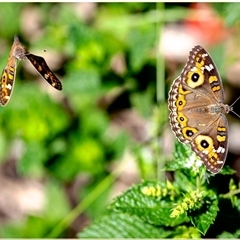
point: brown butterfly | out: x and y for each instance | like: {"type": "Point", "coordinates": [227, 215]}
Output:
{"type": "Point", "coordinates": [19, 52]}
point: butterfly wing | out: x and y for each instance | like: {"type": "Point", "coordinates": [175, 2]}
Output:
{"type": "Point", "coordinates": [197, 112]}
{"type": "Point", "coordinates": [7, 80]}
{"type": "Point", "coordinates": [41, 66]}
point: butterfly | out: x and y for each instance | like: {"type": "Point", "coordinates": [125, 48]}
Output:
{"type": "Point", "coordinates": [197, 112]}
{"type": "Point", "coordinates": [19, 52]}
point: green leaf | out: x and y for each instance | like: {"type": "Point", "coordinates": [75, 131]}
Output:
{"type": "Point", "coordinates": [152, 209]}
{"type": "Point", "coordinates": [185, 180]}
{"type": "Point", "coordinates": [204, 217]}
{"type": "Point", "coordinates": [185, 232]}
{"type": "Point", "coordinates": [119, 225]}
{"type": "Point", "coordinates": [229, 235]}
{"type": "Point", "coordinates": [181, 153]}
{"type": "Point", "coordinates": [227, 170]}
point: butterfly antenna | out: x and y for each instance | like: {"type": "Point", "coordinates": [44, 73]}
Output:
{"type": "Point", "coordinates": [44, 50]}
{"type": "Point", "coordinates": [235, 113]}
{"type": "Point", "coordinates": [231, 107]}
{"type": "Point", "coordinates": [235, 101]}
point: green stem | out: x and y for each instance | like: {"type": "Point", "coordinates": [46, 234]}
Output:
{"type": "Point", "coordinates": [231, 193]}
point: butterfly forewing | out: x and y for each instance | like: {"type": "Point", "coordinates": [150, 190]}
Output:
{"type": "Point", "coordinates": [197, 56]}
{"type": "Point", "coordinates": [41, 66]}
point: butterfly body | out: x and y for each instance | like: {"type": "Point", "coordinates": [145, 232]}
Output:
{"type": "Point", "coordinates": [197, 112]}
{"type": "Point", "coordinates": [19, 52]}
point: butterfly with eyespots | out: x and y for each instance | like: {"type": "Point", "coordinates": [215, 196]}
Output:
{"type": "Point", "coordinates": [197, 112]}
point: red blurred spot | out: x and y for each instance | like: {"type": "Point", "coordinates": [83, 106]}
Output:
{"type": "Point", "coordinates": [205, 24]}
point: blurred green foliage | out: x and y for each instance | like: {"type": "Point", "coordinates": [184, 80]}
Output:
{"type": "Point", "coordinates": [67, 134]}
